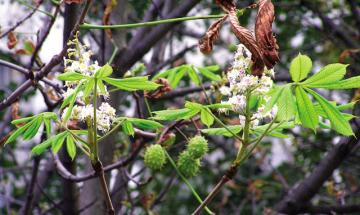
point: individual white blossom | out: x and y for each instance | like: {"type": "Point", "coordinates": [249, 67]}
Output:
{"type": "Point", "coordinates": [224, 90]}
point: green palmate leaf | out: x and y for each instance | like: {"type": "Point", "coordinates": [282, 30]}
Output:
{"type": "Point", "coordinates": [347, 116]}
{"type": "Point", "coordinates": [275, 94]}
{"type": "Point", "coordinates": [132, 84]}
{"type": "Point", "coordinates": [58, 141]}
{"type": "Point", "coordinates": [104, 71]}
{"type": "Point", "coordinates": [177, 114]}
{"type": "Point", "coordinates": [40, 148]}
{"type": "Point", "coordinates": [128, 128]}
{"type": "Point", "coordinates": [71, 76]}
{"type": "Point", "coordinates": [307, 114]}
{"type": "Point", "coordinates": [338, 121]}
{"type": "Point", "coordinates": [210, 75]}
{"type": "Point", "coordinates": [33, 128]}
{"type": "Point", "coordinates": [300, 67]}
{"type": "Point", "coordinates": [17, 133]}
{"type": "Point", "coordinates": [223, 131]}
{"type": "Point", "coordinates": [70, 146]}
{"type": "Point", "coordinates": [206, 117]}
{"type": "Point", "coordinates": [193, 75]}
{"type": "Point", "coordinates": [349, 83]}
{"type": "Point", "coordinates": [175, 76]}
{"type": "Point", "coordinates": [286, 105]}
{"type": "Point", "coordinates": [144, 123]}
{"type": "Point", "coordinates": [327, 75]}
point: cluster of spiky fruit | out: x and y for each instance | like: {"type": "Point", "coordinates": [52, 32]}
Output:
{"type": "Point", "coordinates": [189, 160]}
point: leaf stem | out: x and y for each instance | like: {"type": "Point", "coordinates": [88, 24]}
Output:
{"type": "Point", "coordinates": [151, 23]}
{"type": "Point", "coordinates": [172, 162]}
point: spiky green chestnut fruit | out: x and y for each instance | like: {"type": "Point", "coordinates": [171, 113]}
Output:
{"type": "Point", "coordinates": [188, 165]}
{"type": "Point", "coordinates": [197, 147]}
{"type": "Point", "coordinates": [154, 157]}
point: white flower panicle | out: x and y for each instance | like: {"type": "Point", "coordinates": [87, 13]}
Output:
{"type": "Point", "coordinates": [241, 84]}
{"type": "Point", "coordinates": [105, 115]}
{"type": "Point", "coordinates": [79, 60]}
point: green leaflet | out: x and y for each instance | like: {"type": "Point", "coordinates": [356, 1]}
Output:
{"type": "Point", "coordinates": [300, 67]}
{"type": "Point", "coordinates": [327, 75]}
{"type": "Point", "coordinates": [206, 117]}
{"type": "Point", "coordinates": [128, 128]}
{"type": "Point", "coordinates": [17, 133]}
{"type": "Point", "coordinates": [338, 121]}
{"type": "Point", "coordinates": [223, 131]}
{"type": "Point", "coordinates": [306, 110]}
{"type": "Point", "coordinates": [70, 146]}
{"type": "Point", "coordinates": [33, 128]}
{"type": "Point", "coordinates": [103, 72]}
{"type": "Point", "coordinates": [349, 83]}
{"type": "Point", "coordinates": [210, 75]}
{"type": "Point", "coordinates": [142, 123]}
{"type": "Point", "coordinates": [71, 76]}
{"type": "Point", "coordinates": [177, 114]}
{"type": "Point", "coordinates": [58, 141]}
{"type": "Point", "coordinates": [193, 76]}
{"type": "Point", "coordinates": [40, 148]}
{"type": "Point", "coordinates": [132, 84]}
{"type": "Point", "coordinates": [286, 104]}
{"type": "Point", "coordinates": [275, 94]}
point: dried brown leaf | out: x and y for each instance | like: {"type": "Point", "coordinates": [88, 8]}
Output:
{"type": "Point", "coordinates": [264, 35]}
{"type": "Point", "coordinates": [12, 40]}
{"type": "Point", "coordinates": [106, 18]}
{"type": "Point", "coordinates": [207, 41]}
{"type": "Point", "coordinates": [247, 38]}
{"type": "Point", "coordinates": [161, 91]}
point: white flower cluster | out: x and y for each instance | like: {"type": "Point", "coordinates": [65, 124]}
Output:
{"type": "Point", "coordinates": [242, 84]}
{"type": "Point", "coordinates": [79, 61]}
{"type": "Point", "coordinates": [104, 115]}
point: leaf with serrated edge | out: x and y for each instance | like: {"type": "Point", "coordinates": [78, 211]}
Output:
{"type": "Point", "coordinates": [308, 116]}
{"type": "Point", "coordinates": [300, 67]}
{"type": "Point", "coordinates": [327, 75]}
{"type": "Point", "coordinates": [338, 121]}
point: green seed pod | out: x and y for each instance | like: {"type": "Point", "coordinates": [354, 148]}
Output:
{"type": "Point", "coordinates": [155, 157]}
{"type": "Point", "coordinates": [188, 165]}
{"type": "Point", "coordinates": [197, 147]}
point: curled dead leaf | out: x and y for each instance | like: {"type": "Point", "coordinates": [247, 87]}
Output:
{"type": "Point", "coordinates": [264, 35]}
{"type": "Point", "coordinates": [106, 18]}
{"type": "Point", "coordinates": [12, 40]}
{"type": "Point", "coordinates": [161, 91]}
{"type": "Point", "coordinates": [212, 34]}
{"type": "Point", "coordinates": [246, 37]}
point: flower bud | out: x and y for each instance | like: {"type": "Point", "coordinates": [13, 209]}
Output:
{"type": "Point", "coordinates": [197, 147]}
{"type": "Point", "coordinates": [155, 157]}
{"type": "Point", "coordinates": [188, 165]}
